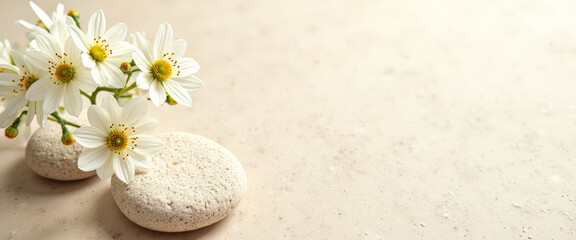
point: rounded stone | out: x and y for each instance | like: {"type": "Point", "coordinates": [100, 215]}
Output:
{"type": "Point", "coordinates": [49, 158]}
{"type": "Point", "coordinates": [193, 182]}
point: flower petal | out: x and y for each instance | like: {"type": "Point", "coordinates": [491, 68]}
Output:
{"type": "Point", "coordinates": [93, 158]}
{"type": "Point", "coordinates": [31, 112]}
{"type": "Point", "coordinates": [8, 79]}
{"type": "Point", "coordinates": [79, 38]}
{"type": "Point", "coordinates": [97, 75]}
{"type": "Point", "coordinates": [90, 137]}
{"type": "Point", "coordinates": [190, 83]}
{"type": "Point", "coordinates": [46, 43]}
{"type": "Point", "coordinates": [99, 118]}
{"type": "Point", "coordinates": [133, 111]}
{"type": "Point", "coordinates": [179, 48]}
{"type": "Point", "coordinates": [110, 105]}
{"type": "Point", "coordinates": [163, 40]}
{"type": "Point", "coordinates": [61, 35]}
{"type": "Point", "coordinates": [143, 45]}
{"type": "Point", "coordinates": [116, 77]}
{"type": "Point", "coordinates": [29, 25]}
{"type": "Point", "coordinates": [41, 14]}
{"type": "Point", "coordinates": [106, 170]}
{"type": "Point", "coordinates": [6, 120]}
{"type": "Point", "coordinates": [124, 168]}
{"type": "Point", "coordinates": [84, 80]}
{"type": "Point", "coordinates": [116, 33]}
{"type": "Point", "coordinates": [177, 92]}
{"type": "Point", "coordinates": [19, 61]}
{"type": "Point", "coordinates": [148, 144]}
{"type": "Point", "coordinates": [144, 80]}
{"type": "Point", "coordinates": [141, 161]}
{"type": "Point", "coordinates": [88, 62]}
{"type": "Point", "coordinates": [73, 53]}
{"type": "Point", "coordinates": [39, 59]}
{"type": "Point", "coordinates": [141, 61]}
{"type": "Point", "coordinates": [53, 98]}
{"type": "Point", "coordinates": [72, 100]}
{"type": "Point", "coordinates": [146, 125]}
{"type": "Point", "coordinates": [96, 25]}
{"type": "Point", "coordinates": [16, 103]}
{"type": "Point", "coordinates": [121, 52]}
{"type": "Point", "coordinates": [157, 93]}
{"type": "Point", "coordinates": [188, 66]}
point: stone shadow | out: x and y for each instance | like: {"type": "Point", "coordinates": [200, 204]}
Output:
{"type": "Point", "coordinates": [22, 180]}
{"type": "Point", "coordinates": [113, 221]}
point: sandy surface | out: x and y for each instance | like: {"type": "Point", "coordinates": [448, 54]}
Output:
{"type": "Point", "coordinates": [353, 120]}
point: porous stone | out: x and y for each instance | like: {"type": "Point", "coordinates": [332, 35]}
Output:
{"type": "Point", "coordinates": [194, 182]}
{"type": "Point", "coordinates": [48, 157]}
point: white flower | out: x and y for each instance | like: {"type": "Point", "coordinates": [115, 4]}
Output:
{"type": "Point", "coordinates": [13, 87]}
{"type": "Point", "coordinates": [46, 22]}
{"type": "Point", "coordinates": [58, 56]}
{"type": "Point", "coordinates": [164, 69]}
{"type": "Point", "coordinates": [103, 51]}
{"type": "Point", "coordinates": [5, 58]}
{"type": "Point", "coordinates": [118, 140]}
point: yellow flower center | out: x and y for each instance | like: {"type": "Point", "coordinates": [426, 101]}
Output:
{"type": "Point", "coordinates": [161, 70]}
{"type": "Point", "coordinates": [64, 72]}
{"type": "Point", "coordinates": [27, 81]}
{"type": "Point", "coordinates": [98, 53]}
{"type": "Point", "coordinates": [117, 141]}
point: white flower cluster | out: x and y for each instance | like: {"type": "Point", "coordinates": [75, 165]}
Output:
{"type": "Point", "coordinates": [62, 63]}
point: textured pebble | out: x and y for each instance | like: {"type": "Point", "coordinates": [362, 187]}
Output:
{"type": "Point", "coordinates": [194, 182]}
{"type": "Point", "coordinates": [48, 157]}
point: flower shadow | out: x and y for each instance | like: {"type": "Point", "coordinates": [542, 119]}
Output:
{"type": "Point", "coordinates": [119, 226]}
{"type": "Point", "coordinates": [23, 180]}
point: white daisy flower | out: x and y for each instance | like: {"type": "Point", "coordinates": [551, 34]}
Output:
{"type": "Point", "coordinates": [46, 22]}
{"type": "Point", "coordinates": [103, 51]}
{"type": "Point", "coordinates": [118, 140]}
{"type": "Point", "coordinates": [164, 69]}
{"type": "Point", "coordinates": [58, 56]}
{"type": "Point", "coordinates": [13, 87]}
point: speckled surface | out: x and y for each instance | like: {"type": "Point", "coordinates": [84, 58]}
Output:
{"type": "Point", "coordinates": [353, 120]}
{"type": "Point", "coordinates": [193, 182]}
{"type": "Point", "coordinates": [49, 158]}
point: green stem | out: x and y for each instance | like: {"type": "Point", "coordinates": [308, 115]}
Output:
{"type": "Point", "coordinates": [95, 93]}
{"type": "Point", "coordinates": [119, 92]}
{"type": "Point", "coordinates": [107, 89]}
{"type": "Point", "coordinates": [17, 121]}
{"type": "Point", "coordinates": [128, 89]}
{"type": "Point", "coordinates": [63, 122]}
{"type": "Point", "coordinates": [85, 94]}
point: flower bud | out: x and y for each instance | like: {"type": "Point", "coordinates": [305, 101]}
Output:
{"type": "Point", "coordinates": [74, 15]}
{"type": "Point", "coordinates": [170, 100]}
{"type": "Point", "coordinates": [67, 139]}
{"type": "Point", "coordinates": [11, 132]}
{"type": "Point", "coordinates": [125, 67]}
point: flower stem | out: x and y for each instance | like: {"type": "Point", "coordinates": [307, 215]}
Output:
{"type": "Point", "coordinates": [95, 93]}
{"type": "Point", "coordinates": [107, 89]}
{"type": "Point", "coordinates": [63, 122]}
{"type": "Point", "coordinates": [118, 93]}
{"type": "Point", "coordinates": [85, 94]}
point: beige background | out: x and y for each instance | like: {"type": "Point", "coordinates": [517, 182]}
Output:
{"type": "Point", "coordinates": [353, 120]}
